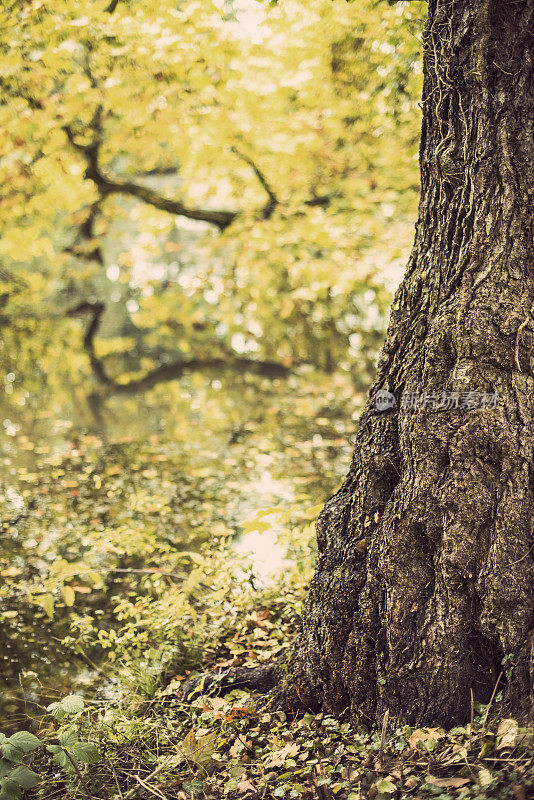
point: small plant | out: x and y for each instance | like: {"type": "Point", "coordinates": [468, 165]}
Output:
{"type": "Point", "coordinates": [15, 776]}
{"type": "Point", "coordinates": [68, 751]}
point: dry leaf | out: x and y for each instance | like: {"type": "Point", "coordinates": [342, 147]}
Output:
{"type": "Point", "coordinates": [246, 786]}
{"type": "Point", "coordinates": [447, 783]}
{"type": "Point", "coordinates": [279, 756]}
{"type": "Point", "coordinates": [424, 734]}
{"type": "Point", "coordinates": [214, 705]}
{"type": "Point", "coordinates": [236, 748]}
{"type": "Point", "coordinates": [485, 778]}
{"type": "Point", "coordinates": [239, 711]}
{"type": "Point", "coordinates": [506, 735]}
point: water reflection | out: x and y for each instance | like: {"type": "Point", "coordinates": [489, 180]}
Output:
{"type": "Point", "coordinates": [263, 553]}
{"type": "Point", "coordinates": [163, 474]}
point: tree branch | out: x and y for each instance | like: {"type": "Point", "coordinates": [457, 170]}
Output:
{"type": "Point", "coordinates": [86, 236]}
{"type": "Point", "coordinates": [86, 230]}
{"type": "Point", "coordinates": [322, 200]}
{"type": "Point", "coordinates": [106, 186]}
{"type": "Point", "coordinates": [157, 171]}
{"type": "Point", "coordinates": [165, 372]}
{"type": "Point", "coordinates": [222, 219]}
{"type": "Point", "coordinates": [96, 310]}
{"type": "Point", "coordinates": [175, 370]}
{"type": "Point", "coordinates": [273, 199]}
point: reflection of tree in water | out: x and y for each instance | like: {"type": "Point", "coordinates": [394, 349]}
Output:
{"type": "Point", "coordinates": [275, 263]}
{"type": "Point", "coordinates": [156, 496]}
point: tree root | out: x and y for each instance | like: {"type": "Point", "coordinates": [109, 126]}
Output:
{"type": "Point", "coordinates": [278, 684]}
{"type": "Point", "coordinates": [261, 679]}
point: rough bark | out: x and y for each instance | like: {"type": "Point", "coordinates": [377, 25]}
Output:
{"type": "Point", "coordinates": [425, 574]}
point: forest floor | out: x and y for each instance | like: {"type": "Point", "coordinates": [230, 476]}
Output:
{"type": "Point", "coordinates": [176, 613]}
{"type": "Point", "coordinates": [158, 744]}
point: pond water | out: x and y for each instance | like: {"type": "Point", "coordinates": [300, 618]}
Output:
{"type": "Point", "coordinates": [100, 504]}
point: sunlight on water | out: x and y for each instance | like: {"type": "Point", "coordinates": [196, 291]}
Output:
{"type": "Point", "coordinates": [263, 551]}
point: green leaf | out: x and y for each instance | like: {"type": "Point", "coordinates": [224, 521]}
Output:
{"type": "Point", "coordinates": [59, 756]}
{"type": "Point", "coordinates": [68, 737]}
{"type": "Point", "coordinates": [5, 767]}
{"type": "Point", "coordinates": [25, 740]}
{"type": "Point", "coordinates": [11, 751]}
{"type": "Point", "coordinates": [57, 710]}
{"type": "Point", "coordinates": [86, 752]}
{"type": "Point", "coordinates": [25, 777]}
{"type": "Point", "coordinates": [73, 703]}
{"type": "Point", "coordinates": [46, 601]}
{"type": "Point", "coordinates": [68, 594]}
{"type": "Point", "coordinates": [10, 790]}
{"type": "Point", "coordinates": [386, 787]}
{"type": "Point", "coordinates": [193, 788]}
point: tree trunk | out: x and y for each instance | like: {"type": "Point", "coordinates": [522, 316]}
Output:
{"type": "Point", "coordinates": [424, 583]}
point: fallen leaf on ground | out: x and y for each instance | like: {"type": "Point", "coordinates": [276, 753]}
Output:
{"type": "Point", "coordinates": [424, 734]}
{"type": "Point", "coordinates": [246, 786]}
{"type": "Point", "coordinates": [279, 756]}
{"type": "Point", "coordinates": [214, 706]}
{"type": "Point", "coordinates": [506, 734]}
{"type": "Point", "coordinates": [485, 778]}
{"type": "Point", "coordinates": [447, 783]}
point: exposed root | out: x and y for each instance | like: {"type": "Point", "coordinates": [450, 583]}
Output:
{"type": "Point", "coordinates": [261, 679]}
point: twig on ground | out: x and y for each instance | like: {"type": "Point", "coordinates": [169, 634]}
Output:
{"type": "Point", "coordinates": [484, 721]}
{"type": "Point", "coordinates": [383, 737]}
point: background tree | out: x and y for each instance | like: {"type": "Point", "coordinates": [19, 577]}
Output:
{"type": "Point", "coordinates": [185, 197]}
{"type": "Point", "coordinates": [179, 192]}
{"type": "Point", "coordinates": [424, 586]}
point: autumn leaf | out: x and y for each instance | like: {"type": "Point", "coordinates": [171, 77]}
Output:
{"type": "Point", "coordinates": [447, 783]}
{"type": "Point", "coordinates": [11, 572]}
{"type": "Point", "coordinates": [426, 737]}
{"type": "Point", "coordinates": [246, 787]}
{"type": "Point", "coordinates": [214, 705]}
{"type": "Point", "coordinates": [280, 756]}
{"type": "Point", "coordinates": [199, 750]}
{"type": "Point", "coordinates": [507, 735]}
{"type": "Point", "coordinates": [68, 595]}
